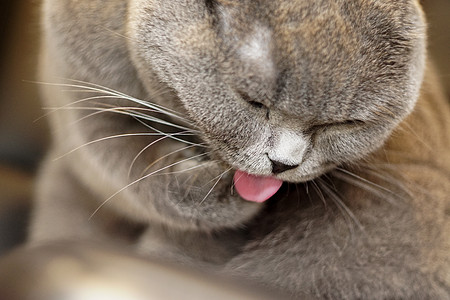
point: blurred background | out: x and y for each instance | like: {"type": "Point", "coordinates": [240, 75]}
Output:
{"type": "Point", "coordinates": [23, 140]}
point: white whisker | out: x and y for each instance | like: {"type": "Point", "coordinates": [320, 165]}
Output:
{"type": "Point", "coordinates": [388, 178]}
{"type": "Point", "coordinates": [107, 138]}
{"type": "Point", "coordinates": [169, 154]}
{"type": "Point", "coordinates": [125, 96]}
{"type": "Point", "coordinates": [148, 146]}
{"type": "Point", "coordinates": [139, 180]}
{"type": "Point", "coordinates": [341, 205]}
{"type": "Point", "coordinates": [119, 110]}
{"type": "Point", "coordinates": [68, 106]}
{"type": "Point", "coordinates": [319, 192]}
{"type": "Point", "coordinates": [413, 132]}
{"type": "Point", "coordinates": [185, 170]}
{"type": "Point", "coordinates": [173, 137]}
{"type": "Point", "coordinates": [215, 184]}
{"type": "Point", "coordinates": [98, 111]}
{"type": "Point", "coordinates": [118, 95]}
{"type": "Point", "coordinates": [229, 169]}
{"type": "Point", "coordinates": [142, 151]}
{"type": "Point", "coordinates": [364, 183]}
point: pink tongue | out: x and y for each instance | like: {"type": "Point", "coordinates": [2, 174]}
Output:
{"type": "Point", "coordinates": [255, 188]}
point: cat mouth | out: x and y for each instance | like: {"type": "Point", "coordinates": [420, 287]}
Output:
{"type": "Point", "coordinates": [255, 188]}
{"type": "Point", "coordinates": [250, 187]}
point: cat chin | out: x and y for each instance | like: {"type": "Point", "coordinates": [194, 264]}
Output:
{"type": "Point", "coordinates": [208, 201]}
{"type": "Point", "coordinates": [203, 200]}
{"type": "Point", "coordinates": [219, 214]}
{"type": "Point", "coordinates": [303, 178]}
{"type": "Point", "coordinates": [299, 176]}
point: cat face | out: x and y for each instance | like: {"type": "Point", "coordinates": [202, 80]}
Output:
{"type": "Point", "coordinates": [284, 88]}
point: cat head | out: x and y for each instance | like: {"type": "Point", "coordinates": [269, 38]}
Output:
{"type": "Point", "coordinates": [284, 88]}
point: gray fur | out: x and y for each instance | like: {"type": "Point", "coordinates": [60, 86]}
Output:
{"type": "Point", "coordinates": [332, 77]}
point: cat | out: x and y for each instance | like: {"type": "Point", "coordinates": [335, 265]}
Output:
{"type": "Point", "coordinates": [299, 145]}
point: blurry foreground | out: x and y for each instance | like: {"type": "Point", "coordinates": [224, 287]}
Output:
{"type": "Point", "coordinates": [81, 272]}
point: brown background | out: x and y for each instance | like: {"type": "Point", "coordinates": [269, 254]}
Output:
{"type": "Point", "coordinates": [23, 140]}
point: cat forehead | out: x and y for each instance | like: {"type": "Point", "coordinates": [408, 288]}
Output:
{"type": "Point", "coordinates": [251, 42]}
{"type": "Point", "coordinates": [255, 51]}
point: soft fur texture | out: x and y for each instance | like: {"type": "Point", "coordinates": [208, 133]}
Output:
{"type": "Point", "coordinates": [333, 86]}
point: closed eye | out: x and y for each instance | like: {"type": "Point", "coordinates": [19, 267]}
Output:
{"type": "Point", "coordinates": [255, 104]}
{"type": "Point", "coordinates": [346, 123]}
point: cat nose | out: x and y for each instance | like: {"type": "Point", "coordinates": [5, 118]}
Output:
{"type": "Point", "coordinates": [279, 167]}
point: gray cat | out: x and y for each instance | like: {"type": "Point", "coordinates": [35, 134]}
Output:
{"type": "Point", "coordinates": [288, 143]}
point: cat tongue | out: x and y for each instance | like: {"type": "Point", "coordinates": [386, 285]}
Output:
{"type": "Point", "coordinates": [255, 188]}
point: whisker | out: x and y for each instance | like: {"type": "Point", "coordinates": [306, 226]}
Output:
{"type": "Point", "coordinates": [107, 138]}
{"type": "Point", "coordinates": [307, 192]}
{"type": "Point", "coordinates": [398, 183]}
{"type": "Point", "coordinates": [340, 204]}
{"type": "Point", "coordinates": [191, 178]}
{"type": "Point", "coordinates": [215, 184]}
{"type": "Point", "coordinates": [146, 147]}
{"type": "Point", "coordinates": [173, 137]}
{"type": "Point", "coordinates": [169, 154]}
{"type": "Point", "coordinates": [229, 169]}
{"type": "Point", "coordinates": [118, 95]}
{"type": "Point", "coordinates": [319, 192]}
{"type": "Point", "coordinates": [100, 110]}
{"type": "Point", "coordinates": [139, 180]}
{"type": "Point", "coordinates": [122, 111]}
{"type": "Point", "coordinates": [366, 184]}
{"type": "Point", "coordinates": [413, 132]}
{"type": "Point", "coordinates": [85, 88]}
{"type": "Point", "coordinates": [56, 109]}
{"type": "Point", "coordinates": [299, 198]}
{"type": "Point", "coordinates": [125, 96]}
{"type": "Point", "coordinates": [142, 151]}
{"type": "Point", "coordinates": [387, 178]}
{"type": "Point", "coordinates": [142, 116]}
{"type": "Point", "coordinates": [117, 33]}
{"type": "Point", "coordinates": [185, 170]}
{"type": "Point", "coordinates": [234, 183]}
